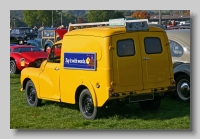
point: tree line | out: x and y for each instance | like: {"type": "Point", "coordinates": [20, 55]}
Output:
{"type": "Point", "coordinates": [58, 17]}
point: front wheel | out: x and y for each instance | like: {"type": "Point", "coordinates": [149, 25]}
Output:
{"type": "Point", "coordinates": [86, 106]}
{"type": "Point", "coordinates": [13, 67]}
{"type": "Point", "coordinates": [31, 95]}
{"type": "Point", "coordinates": [182, 92]}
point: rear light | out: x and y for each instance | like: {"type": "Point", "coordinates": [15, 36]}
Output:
{"type": "Point", "coordinates": [173, 82]}
{"type": "Point", "coordinates": [111, 90]}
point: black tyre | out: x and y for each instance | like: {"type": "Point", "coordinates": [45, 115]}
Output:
{"type": "Point", "coordinates": [182, 91]}
{"type": "Point", "coordinates": [13, 67]}
{"type": "Point", "coordinates": [86, 106]}
{"type": "Point", "coordinates": [151, 104]}
{"type": "Point", "coordinates": [31, 95]}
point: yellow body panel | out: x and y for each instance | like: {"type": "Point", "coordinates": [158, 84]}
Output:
{"type": "Point", "coordinates": [123, 74]}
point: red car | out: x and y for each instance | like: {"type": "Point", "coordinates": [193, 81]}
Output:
{"type": "Point", "coordinates": [22, 56]}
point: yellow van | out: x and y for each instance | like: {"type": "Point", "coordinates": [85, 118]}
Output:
{"type": "Point", "coordinates": [105, 65]}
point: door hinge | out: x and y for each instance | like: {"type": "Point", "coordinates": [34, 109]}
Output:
{"type": "Point", "coordinates": [113, 83]}
{"type": "Point", "coordinates": [111, 48]}
{"type": "Point", "coordinates": [167, 43]}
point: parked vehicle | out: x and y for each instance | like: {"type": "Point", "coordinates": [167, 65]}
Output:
{"type": "Point", "coordinates": [182, 26]}
{"type": "Point", "coordinates": [180, 51]}
{"type": "Point", "coordinates": [47, 37]}
{"type": "Point", "coordinates": [158, 25]}
{"type": "Point", "coordinates": [102, 66]}
{"type": "Point", "coordinates": [24, 33]}
{"type": "Point", "coordinates": [23, 55]}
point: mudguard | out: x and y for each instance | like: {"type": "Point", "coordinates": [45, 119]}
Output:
{"type": "Point", "coordinates": [182, 67]}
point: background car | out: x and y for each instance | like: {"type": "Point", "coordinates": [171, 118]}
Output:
{"type": "Point", "coordinates": [24, 33]}
{"type": "Point", "coordinates": [158, 25]}
{"type": "Point", "coordinates": [180, 50]}
{"type": "Point", "coordinates": [182, 26]}
{"type": "Point", "coordinates": [22, 56]}
{"type": "Point", "coordinates": [47, 37]}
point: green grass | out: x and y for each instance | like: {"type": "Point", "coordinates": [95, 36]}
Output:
{"type": "Point", "coordinates": [172, 114]}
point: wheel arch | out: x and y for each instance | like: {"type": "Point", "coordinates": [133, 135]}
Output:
{"type": "Point", "coordinates": [177, 74]}
{"type": "Point", "coordinates": [16, 59]}
{"type": "Point", "coordinates": [25, 82]}
{"type": "Point", "coordinates": [85, 84]}
{"type": "Point", "coordinates": [48, 42]}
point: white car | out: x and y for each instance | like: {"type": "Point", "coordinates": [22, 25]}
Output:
{"type": "Point", "coordinates": [180, 50]}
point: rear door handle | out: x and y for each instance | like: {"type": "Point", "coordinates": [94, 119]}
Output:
{"type": "Point", "coordinates": [56, 68]}
{"type": "Point", "coordinates": [146, 58]}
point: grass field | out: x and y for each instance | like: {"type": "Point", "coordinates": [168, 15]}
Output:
{"type": "Point", "coordinates": [53, 115]}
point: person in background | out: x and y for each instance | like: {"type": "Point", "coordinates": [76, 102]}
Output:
{"type": "Point", "coordinates": [41, 27]}
{"type": "Point", "coordinates": [34, 28]}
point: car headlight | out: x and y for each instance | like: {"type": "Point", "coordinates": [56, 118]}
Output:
{"type": "Point", "coordinates": [20, 42]}
{"type": "Point", "coordinates": [22, 62]}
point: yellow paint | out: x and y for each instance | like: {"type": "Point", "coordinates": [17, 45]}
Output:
{"type": "Point", "coordinates": [123, 74]}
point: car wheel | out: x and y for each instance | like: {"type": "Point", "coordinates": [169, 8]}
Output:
{"type": "Point", "coordinates": [182, 92]}
{"type": "Point", "coordinates": [86, 106]}
{"type": "Point", "coordinates": [31, 95]}
{"type": "Point", "coordinates": [151, 104]}
{"type": "Point", "coordinates": [13, 67]}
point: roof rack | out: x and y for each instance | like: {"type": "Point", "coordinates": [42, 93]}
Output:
{"type": "Point", "coordinates": [131, 25]}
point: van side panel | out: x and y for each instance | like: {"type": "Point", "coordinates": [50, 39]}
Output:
{"type": "Point", "coordinates": [100, 76]}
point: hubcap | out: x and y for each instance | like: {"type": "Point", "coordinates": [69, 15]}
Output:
{"type": "Point", "coordinates": [183, 89]}
{"type": "Point", "coordinates": [88, 106]}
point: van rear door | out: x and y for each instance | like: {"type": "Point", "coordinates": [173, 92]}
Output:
{"type": "Point", "coordinates": [155, 60]}
{"type": "Point", "coordinates": [126, 62]}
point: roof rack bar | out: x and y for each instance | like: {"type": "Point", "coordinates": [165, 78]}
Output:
{"type": "Point", "coordinates": [88, 25]}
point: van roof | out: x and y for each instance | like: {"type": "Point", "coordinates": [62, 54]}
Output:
{"type": "Point", "coordinates": [105, 31]}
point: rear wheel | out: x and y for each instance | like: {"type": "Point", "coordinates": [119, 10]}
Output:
{"type": "Point", "coordinates": [31, 95]}
{"type": "Point", "coordinates": [182, 92]}
{"type": "Point", "coordinates": [151, 104]}
{"type": "Point", "coordinates": [86, 106]}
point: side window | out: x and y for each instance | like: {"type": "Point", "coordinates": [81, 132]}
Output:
{"type": "Point", "coordinates": [51, 34]}
{"type": "Point", "coordinates": [125, 48]}
{"type": "Point", "coordinates": [17, 31]}
{"type": "Point", "coordinates": [176, 49]}
{"type": "Point", "coordinates": [152, 45]}
{"type": "Point", "coordinates": [55, 53]}
{"type": "Point", "coordinates": [45, 33]}
{"type": "Point", "coordinates": [13, 31]}
{"type": "Point", "coordinates": [16, 50]}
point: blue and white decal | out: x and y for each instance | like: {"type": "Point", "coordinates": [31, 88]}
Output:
{"type": "Point", "coordinates": [85, 61]}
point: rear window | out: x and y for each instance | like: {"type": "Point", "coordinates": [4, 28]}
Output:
{"type": "Point", "coordinates": [125, 48]}
{"type": "Point", "coordinates": [48, 33]}
{"type": "Point", "coordinates": [152, 45]}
